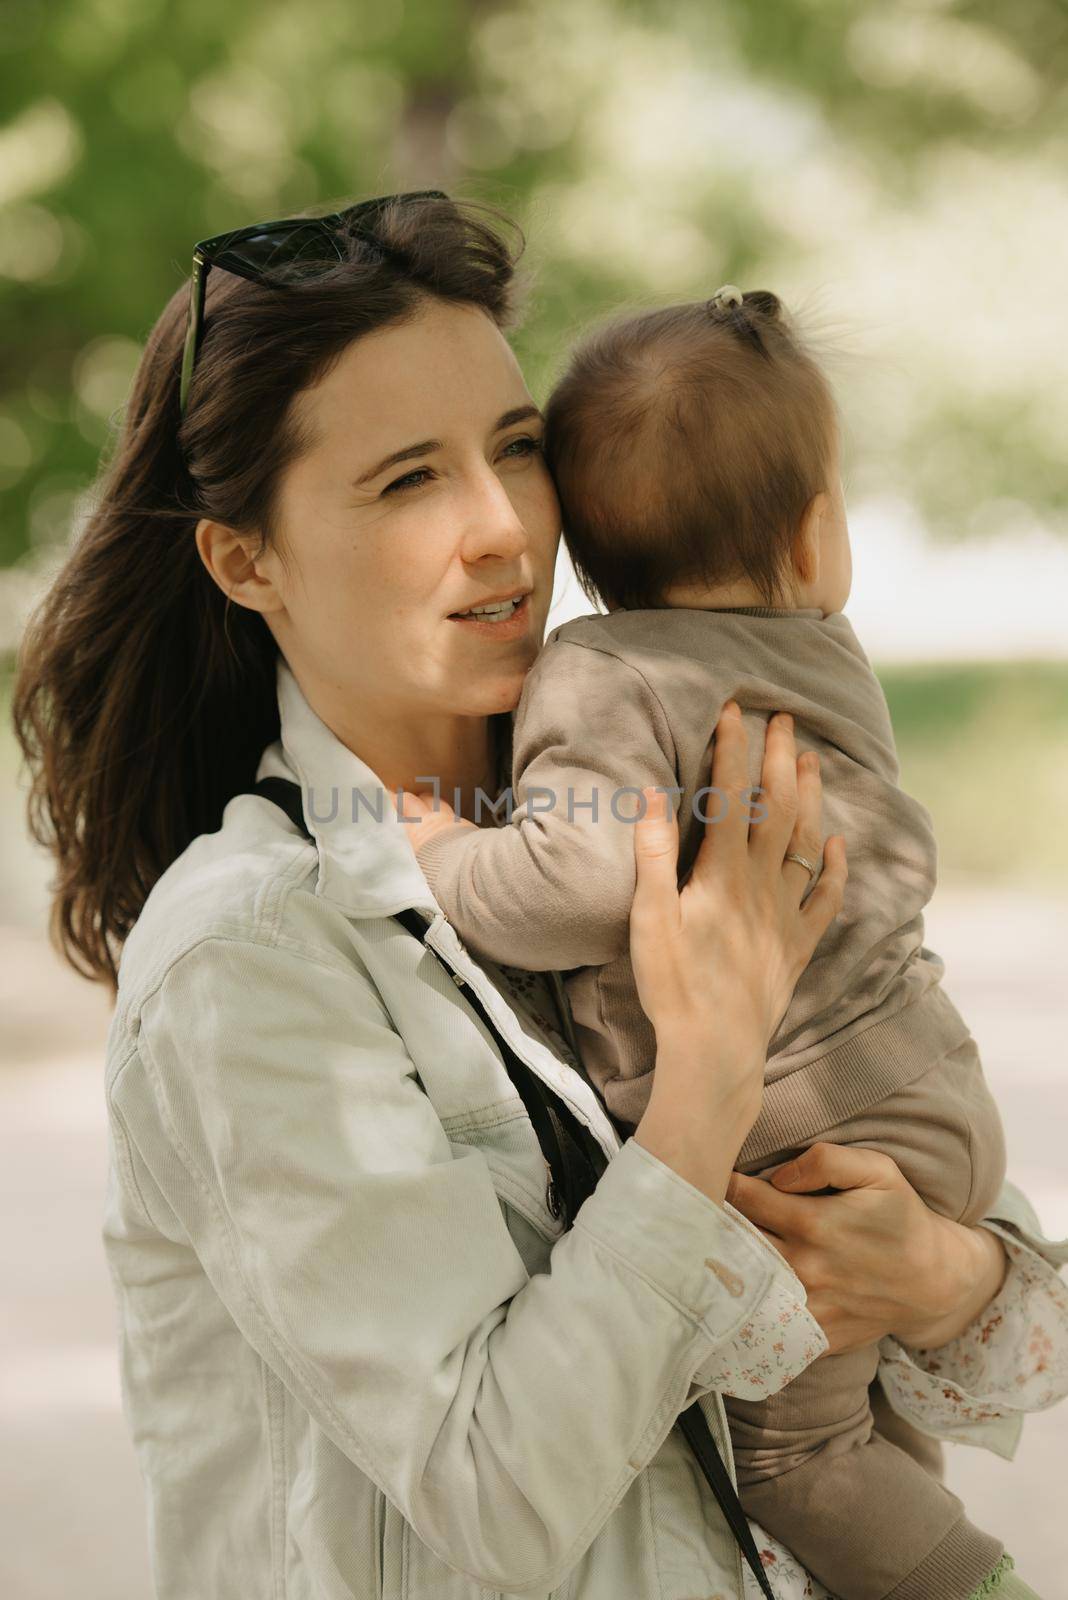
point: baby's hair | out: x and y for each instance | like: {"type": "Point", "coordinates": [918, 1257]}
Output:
{"type": "Point", "coordinates": [686, 443]}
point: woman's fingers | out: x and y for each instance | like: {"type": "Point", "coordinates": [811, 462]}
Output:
{"type": "Point", "coordinates": [806, 837]}
{"type": "Point", "coordinates": [837, 1166]}
{"type": "Point", "coordinates": [783, 1215]}
{"type": "Point", "coordinates": [827, 898]}
{"type": "Point", "coordinates": [782, 1201]}
{"type": "Point", "coordinates": [726, 816]}
{"type": "Point", "coordinates": [778, 779]}
{"type": "Point", "coordinates": [655, 906]}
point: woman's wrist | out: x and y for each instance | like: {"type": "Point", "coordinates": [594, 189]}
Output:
{"type": "Point", "coordinates": [704, 1101]}
{"type": "Point", "coordinates": [965, 1270]}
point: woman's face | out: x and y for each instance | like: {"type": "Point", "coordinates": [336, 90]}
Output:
{"type": "Point", "coordinates": [423, 492]}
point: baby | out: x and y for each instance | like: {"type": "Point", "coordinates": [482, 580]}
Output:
{"type": "Point", "coordinates": [696, 453]}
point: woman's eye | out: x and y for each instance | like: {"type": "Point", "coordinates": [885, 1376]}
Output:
{"type": "Point", "coordinates": [515, 449]}
{"type": "Point", "coordinates": [525, 446]}
{"type": "Point", "coordinates": [410, 480]}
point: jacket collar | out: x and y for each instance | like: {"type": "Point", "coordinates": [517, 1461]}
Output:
{"type": "Point", "coordinates": [366, 863]}
{"type": "Point", "coordinates": [368, 868]}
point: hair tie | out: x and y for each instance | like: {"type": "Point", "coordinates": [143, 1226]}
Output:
{"type": "Point", "coordinates": [725, 297]}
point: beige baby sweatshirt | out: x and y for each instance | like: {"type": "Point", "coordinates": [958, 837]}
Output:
{"type": "Point", "coordinates": [620, 702]}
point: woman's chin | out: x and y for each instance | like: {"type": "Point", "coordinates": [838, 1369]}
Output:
{"type": "Point", "coordinates": [505, 700]}
{"type": "Point", "coordinates": [501, 693]}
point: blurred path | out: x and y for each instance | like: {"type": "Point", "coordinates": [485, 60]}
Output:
{"type": "Point", "coordinates": [72, 1517]}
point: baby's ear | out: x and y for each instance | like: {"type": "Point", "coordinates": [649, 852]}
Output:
{"type": "Point", "coordinates": [805, 549]}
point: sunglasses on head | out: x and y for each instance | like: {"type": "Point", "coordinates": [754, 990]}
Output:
{"type": "Point", "coordinates": [277, 253]}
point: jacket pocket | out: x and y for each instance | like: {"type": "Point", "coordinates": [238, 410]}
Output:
{"type": "Point", "coordinates": [505, 1137]}
{"type": "Point", "coordinates": [428, 1578]}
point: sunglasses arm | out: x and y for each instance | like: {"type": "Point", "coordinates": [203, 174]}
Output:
{"type": "Point", "coordinates": [201, 268]}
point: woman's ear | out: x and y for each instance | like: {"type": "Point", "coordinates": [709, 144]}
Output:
{"type": "Point", "coordinates": [806, 546]}
{"type": "Point", "coordinates": [244, 573]}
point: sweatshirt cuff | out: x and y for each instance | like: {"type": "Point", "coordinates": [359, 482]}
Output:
{"type": "Point", "coordinates": [434, 855]}
{"type": "Point", "coordinates": [692, 1251]}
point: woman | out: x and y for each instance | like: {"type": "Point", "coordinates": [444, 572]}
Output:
{"type": "Point", "coordinates": [353, 1320]}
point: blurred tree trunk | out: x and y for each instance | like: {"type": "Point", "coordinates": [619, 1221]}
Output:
{"type": "Point", "coordinates": [421, 155]}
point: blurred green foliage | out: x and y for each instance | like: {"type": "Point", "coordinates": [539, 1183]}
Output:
{"type": "Point", "coordinates": [984, 746]}
{"type": "Point", "coordinates": [648, 147]}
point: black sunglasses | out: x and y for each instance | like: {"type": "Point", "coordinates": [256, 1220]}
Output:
{"type": "Point", "coordinates": [268, 252]}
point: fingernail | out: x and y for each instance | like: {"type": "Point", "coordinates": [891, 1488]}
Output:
{"type": "Point", "coordinates": [788, 1176]}
{"type": "Point", "coordinates": [733, 708]}
{"type": "Point", "coordinates": [787, 720]}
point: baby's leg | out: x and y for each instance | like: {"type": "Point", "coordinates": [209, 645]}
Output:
{"type": "Point", "coordinates": [920, 1446]}
{"type": "Point", "coordinates": [863, 1516]}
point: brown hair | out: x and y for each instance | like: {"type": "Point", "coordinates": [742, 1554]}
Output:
{"type": "Point", "coordinates": [686, 443]}
{"type": "Point", "coordinates": [142, 701]}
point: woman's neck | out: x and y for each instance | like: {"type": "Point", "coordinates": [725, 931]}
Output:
{"type": "Point", "coordinates": [449, 753]}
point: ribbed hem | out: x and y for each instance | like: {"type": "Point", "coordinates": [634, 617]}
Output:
{"type": "Point", "coordinates": [868, 1067]}
{"type": "Point", "coordinates": [956, 1568]}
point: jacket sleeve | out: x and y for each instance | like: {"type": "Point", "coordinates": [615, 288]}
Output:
{"type": "Point", "coordinates": [552, 890]}
{"type": "Point", "coordinates": [1013, 1359]}
{"type": "Point", "coordinates": [280, 1129]}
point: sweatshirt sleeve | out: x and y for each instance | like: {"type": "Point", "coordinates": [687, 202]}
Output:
{"type": "Point", "coordinates": [280, 1129]}
{"type": "Point", "coordinates": [552, 889]}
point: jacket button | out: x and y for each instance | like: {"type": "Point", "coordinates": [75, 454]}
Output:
{"type": "Point", "coordinates": [730, 1280]}
{"type": "Point", "coordinates": [458, 981]}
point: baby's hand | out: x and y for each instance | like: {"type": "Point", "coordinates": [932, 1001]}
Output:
{"type": "Point", "coordinates": [423, 820]}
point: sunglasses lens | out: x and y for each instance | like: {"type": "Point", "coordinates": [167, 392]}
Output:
{"type": "Point", "coordinates": [295, 248]}
{"type": "Point", "coordinates": [278, 252]}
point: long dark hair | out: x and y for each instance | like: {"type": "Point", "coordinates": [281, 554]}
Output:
{"type": "Point", "coordinates": [143, 700]}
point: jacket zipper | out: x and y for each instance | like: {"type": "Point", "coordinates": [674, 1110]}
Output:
{"type": "Point", "coordinates": [461, 982]}
{"type": "Point", "coordinates": [552, 1195]}
{"type": "Point", "coordinates": [553, 1203]}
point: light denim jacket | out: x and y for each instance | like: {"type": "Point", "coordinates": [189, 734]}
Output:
{"type": "Point", "coordinates": [359, 1357]}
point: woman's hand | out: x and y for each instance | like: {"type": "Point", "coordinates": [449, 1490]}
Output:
{"type": "Point", "coordinates": [873, 1258]}
{"type": "Point", "coordinates": [723, 955]}
{"type": "Point", "coordinates": [715, 964]}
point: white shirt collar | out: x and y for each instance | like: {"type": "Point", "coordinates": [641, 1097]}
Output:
{"type": "Point", "coordinates": [366, 863]}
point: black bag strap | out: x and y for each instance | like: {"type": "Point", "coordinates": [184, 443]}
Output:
{"type": "Point", "coordinates": [575, 1161]}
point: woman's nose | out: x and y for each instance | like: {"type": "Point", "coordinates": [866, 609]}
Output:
{"type": "Point", "coordinates": [492, 525]}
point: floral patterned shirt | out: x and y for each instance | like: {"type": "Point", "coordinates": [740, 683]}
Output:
{"type": "Point", "coordinates": [975, 1390]}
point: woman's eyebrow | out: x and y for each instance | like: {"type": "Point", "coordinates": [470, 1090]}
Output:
{"type": "Point", "coordinates": [519, 414]}
{"type": "Point", "coordinates": [410, 451]}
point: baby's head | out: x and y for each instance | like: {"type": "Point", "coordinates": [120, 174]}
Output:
{"type": "Point", "coordinates": [696, 453]}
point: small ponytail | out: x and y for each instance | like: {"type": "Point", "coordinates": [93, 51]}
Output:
{"type": "Point", "coordinates": [745, 313]}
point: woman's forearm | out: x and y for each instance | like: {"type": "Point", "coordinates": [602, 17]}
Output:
{"type": "Point", "coordinates": [965, 1272]}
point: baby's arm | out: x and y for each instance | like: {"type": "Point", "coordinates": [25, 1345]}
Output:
{"type": "Point", "coordinates": [552, 890]}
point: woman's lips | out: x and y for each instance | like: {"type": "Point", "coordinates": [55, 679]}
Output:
{"type": "Point", "coordinates": [512, 627]}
